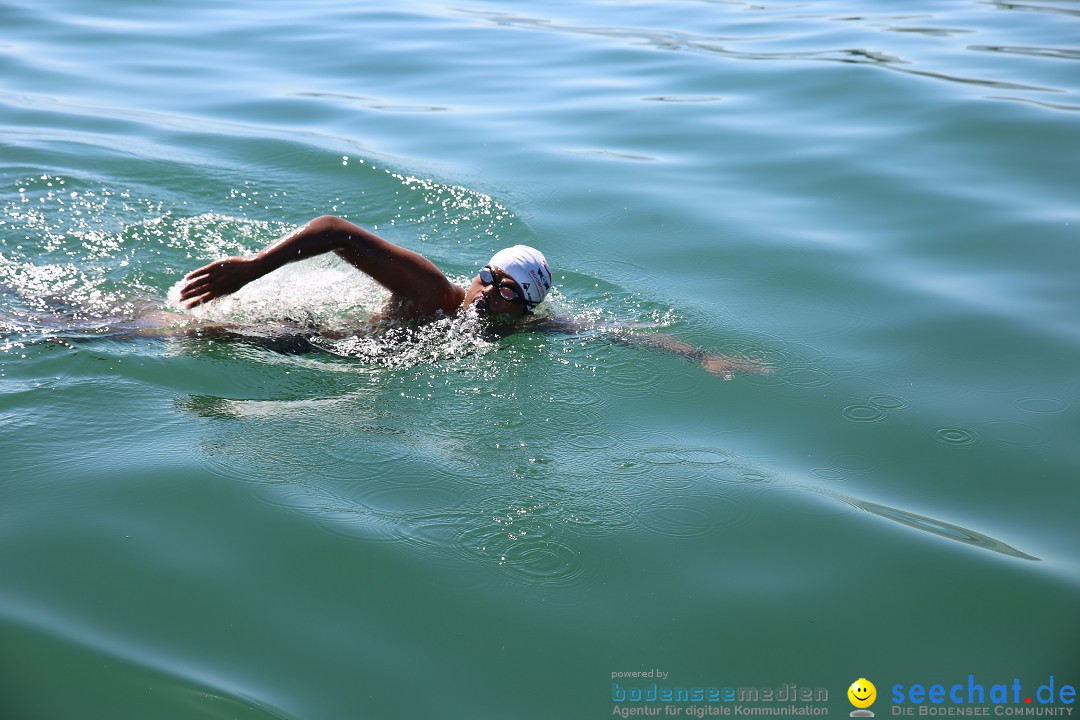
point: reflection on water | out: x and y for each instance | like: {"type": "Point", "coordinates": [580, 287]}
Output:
{"type": "Point", "coordinates": [752, 39]}
{"type": "Point", "coordinates": [1059, 53]}
{"type": "Point", "coordinates": [151, 678]}
{"type": "Point", "coordinates": [1035, 7]}
{"type": "Point", "coordinates": [934, 526]}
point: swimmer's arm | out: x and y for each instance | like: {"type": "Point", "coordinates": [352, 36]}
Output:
{"type": "Point", "coordinates": [723, 365]}
{"type": "Point", "coordinates": [403, 272]}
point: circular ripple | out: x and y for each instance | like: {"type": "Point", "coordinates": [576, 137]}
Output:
{"type": "Point", "coordinates": [408, 499]}
{"type": "Point", "coordinates": [806, 352]}
{"type": "Point", "coordinates": [668, 484]}
{"type": "Point", "coordinates": [578, 397]}
{"type": "Point", "coordinates": [549, 562]}
{"type": "Point", "coordinates": [887, 402]}
{"type": "Point", "coordinates": [682, 456]}
{"type": "Point", "coordinates": [572, 420]}
{"type": "Point", "coordinates": [831, 474]}
{"type": "Point", "coordinates": [686, 517]}
{"type": "Point", "coordinates": [737, 475]}
{"type": "Point", "coordinates": [599, 520]}
{"type": "Point", "coordinates": [625, 381]}
{"type": "Point", "coordinates": [853, 462]}
{"type": "Point", "coordinates": [678, 521]}
{"type": "Point", "coordinates": [862, 413]}
{"type": "Point", "coordinates": [436, 531]}
{"type": "Point", "coordinates": [355, 462]}
{"type": "Point", "coordinates": [956, 436]}
{"type": "Point", "coordinates": [229, 456]}
{"type": "Point", "coordinates": [580, 410]}
{"type": "Point", "coordinates": [661, 456]}
{"type": "Point", "coordinates": [589, 441]}
{"type": "Point", "coordinates": [772, 358]}
{"type": "Point", "coordinates": [1042, 405]}
{"type": "Point", "coordinates": [1017, 433]}
{"type": "Point", "coordinates": [532, 554]}
{"type": "Point", "coordinates": [354, 521]}
{"type": "Point", "coordinates": [803, 376]}
{"type": "Point", "coordinates": [705, 456]}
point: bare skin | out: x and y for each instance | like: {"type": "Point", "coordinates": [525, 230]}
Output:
{"type": "Point", "coordinates": [722, 365]}
{"type": "Point", "coordinates": [419, 291]}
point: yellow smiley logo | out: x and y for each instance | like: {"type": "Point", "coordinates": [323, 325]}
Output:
{"type": "Point", "coordinates": [862, 693]}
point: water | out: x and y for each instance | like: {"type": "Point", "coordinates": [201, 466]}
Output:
{"type": "Point", "coordinates": [879, 202]}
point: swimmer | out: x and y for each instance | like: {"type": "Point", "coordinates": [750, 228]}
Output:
{"type": "Point", "coordinates": [509, 287]}
{"type": "Point", "coordinates": [505, 291]}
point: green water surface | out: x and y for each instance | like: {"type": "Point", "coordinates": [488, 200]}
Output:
{"type": "Point", "coordinates": [878, 202]}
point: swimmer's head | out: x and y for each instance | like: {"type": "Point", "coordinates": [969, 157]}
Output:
{"type": "Point", "coordinates": [513, 282]}
{"type": "Point", "coordinates": [528, 268]}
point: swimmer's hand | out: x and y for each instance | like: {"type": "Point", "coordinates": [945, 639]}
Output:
{"type": "Point", "coordinates": [726, 367]}
{"type": "Point", "coordinates": [218, 279]}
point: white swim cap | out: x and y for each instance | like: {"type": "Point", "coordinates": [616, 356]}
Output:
{"type": "Point", "coordinates": [527, 267]}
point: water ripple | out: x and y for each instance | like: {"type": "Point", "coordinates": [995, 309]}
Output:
{"type": "Point", "coordinates": [1042, 405]}
{"type": "Point", "coordinates": [1057, 53]}
{"type": "Point", "coordinates": [1031, 7]}
{"type": "Point", "coordinates": [860, 412]}
{"type": "Point", "coordinates": [887, 402]}
{"type": "Point", "coordinates": [854, 462]}
{"type": "Point", "coordinates": [739, 47]}
{"type": "Point", "coordinates": [1040, 103]}
{"type": "Point", "coordinates": [929, 31]}
{"type": "Point", "coordinates": [803, 375]}
{"type": "Point", "coordinates": [938, 527]}
{"type": "Point", "coordinates": [956, 436]}
{"type": "Point", "coordinates": [372, 103]}
{"type": "Point", "coordinates": [681, 99]}
{"type": "Point", "coordinates": [613, 154]}
{"type": "Point", "coordinates": [676, 455]}
{"type": "Point", "coordinates": [177, 683]}
{"type": "Point", "coordinates": [1013, 432]}
{"type": "Point", "coordinates": [526, 540]}
{"type": "Point", "coordinates": [686, 516]}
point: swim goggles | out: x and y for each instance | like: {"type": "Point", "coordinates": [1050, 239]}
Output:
{"type": "Point", "coordinates": [506, 292]}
